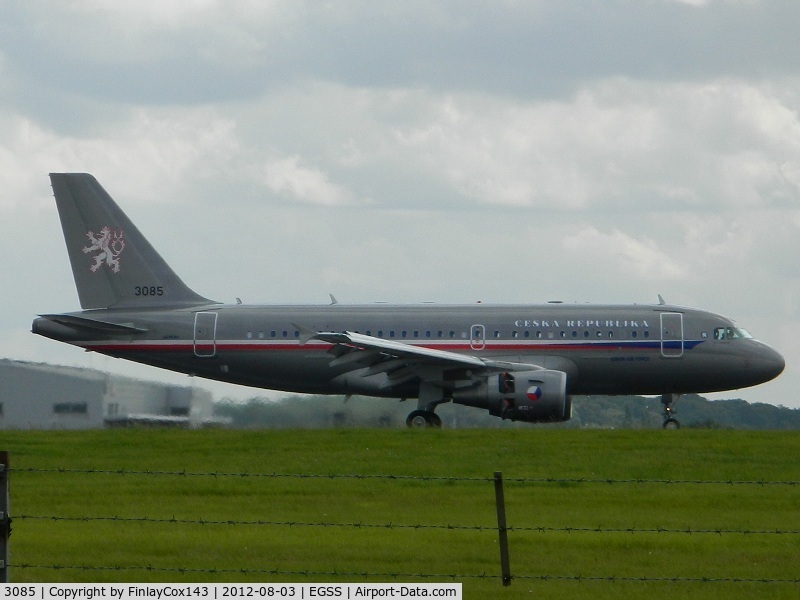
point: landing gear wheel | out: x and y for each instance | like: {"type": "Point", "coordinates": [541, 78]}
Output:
{"type": "Point", "coordinates": [670, 422]}
{"type": "Point", "coordinates": [420, 419]}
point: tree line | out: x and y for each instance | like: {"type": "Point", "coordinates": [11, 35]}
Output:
{"type": "Point", "coordinates": [598, 412]}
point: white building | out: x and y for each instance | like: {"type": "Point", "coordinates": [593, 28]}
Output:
{"type": "Point", "coordinates": [39, 396]}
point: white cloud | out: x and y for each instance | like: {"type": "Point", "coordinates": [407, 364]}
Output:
{"type": "Point", "coordinates": [143, 154]}
{"type": "Point", "coordinates": [110, 32]}
{"type": "Point", "coordinates": [288, 177]}
{"type": "Point", "coordinates": [172, 14]}
{"type": "Point", "coordinates": [618, 143]}
{"type": "Point", "coordinates": [617, 252]}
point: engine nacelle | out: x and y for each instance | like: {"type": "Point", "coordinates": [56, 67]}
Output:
{"type": "Point", "coordinates": [534, 396]}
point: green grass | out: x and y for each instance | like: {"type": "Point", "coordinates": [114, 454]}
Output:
{"type": "Point", "coordinates": [468, 549]}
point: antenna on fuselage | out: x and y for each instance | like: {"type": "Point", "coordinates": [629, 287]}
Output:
{"type": "Point", "coordinates": [661, 300]}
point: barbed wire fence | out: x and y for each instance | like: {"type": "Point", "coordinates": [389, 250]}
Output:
{"type": "Point", "coordinates": [502, 529]}
{"type": "Point", "coordinates": [5, 522]}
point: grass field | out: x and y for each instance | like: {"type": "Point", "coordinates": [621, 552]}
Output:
{"type": "Point", "coordinates": [438, 524]}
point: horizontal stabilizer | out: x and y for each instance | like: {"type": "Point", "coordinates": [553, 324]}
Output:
{"type": "Point", "coordinates": [93, 324]}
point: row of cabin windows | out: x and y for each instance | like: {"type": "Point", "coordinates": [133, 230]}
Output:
{"type": "Point", "coordinates": [551, 335]}
{"type": "Point", "coordinates": [452, 334]}
{"type": "Point", "coordinates": [273, 334]}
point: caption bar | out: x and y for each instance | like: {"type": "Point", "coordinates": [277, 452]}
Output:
{"type": "Point", "coordinates": [198, 591]}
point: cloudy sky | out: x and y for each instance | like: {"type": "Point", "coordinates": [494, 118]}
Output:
{"type": "Point", "coordinates": [413, 151]}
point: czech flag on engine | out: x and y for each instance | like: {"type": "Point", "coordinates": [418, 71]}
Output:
{"type": "Point", "coordinates": [534, 393]}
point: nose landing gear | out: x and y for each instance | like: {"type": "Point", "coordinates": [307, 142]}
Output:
{"type": "Point", "coordinates": [669, 421]}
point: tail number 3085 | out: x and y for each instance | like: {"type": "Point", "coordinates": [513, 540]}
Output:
{"type": "Point", "coordinates": [148, 290]}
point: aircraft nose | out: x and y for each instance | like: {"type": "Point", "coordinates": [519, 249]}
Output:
{"type": "Point", "coordinates": [778, 363]}
{"type": "Point", "coordinates": [770, 363]}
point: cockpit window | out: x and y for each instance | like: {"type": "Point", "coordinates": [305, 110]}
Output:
{"type": "Point", "coordinates": [730, 333]}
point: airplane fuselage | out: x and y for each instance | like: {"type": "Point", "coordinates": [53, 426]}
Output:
{"type": "Point", "coordinates": [604, 349]}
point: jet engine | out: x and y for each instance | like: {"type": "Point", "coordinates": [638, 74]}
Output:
{"type": "Point", "coordinates": [534, 396]}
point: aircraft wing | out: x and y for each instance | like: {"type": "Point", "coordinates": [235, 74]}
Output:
{"type": "Point", "coordinates": [402, 362]}
{"type": "Point", "coordinates": [400, 350]}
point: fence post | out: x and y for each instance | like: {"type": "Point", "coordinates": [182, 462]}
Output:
{"type": "Point", "coordinates": [502, 530]}
{"type": "Point", "coordinates": [5, 520]}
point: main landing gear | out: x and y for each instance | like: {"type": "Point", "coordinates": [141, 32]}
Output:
{"type": "Point", "coordinates": [669, 421]}
{"type": "Point", "coordinates": [420, 419]}
{"type": "Point", "coordinates": [429, 398]}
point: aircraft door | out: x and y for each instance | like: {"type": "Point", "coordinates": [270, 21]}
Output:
{"type": "Point", "coordinates": [671, 335]}
{"type": "Point", "coordinates": [205, 334]}
{"type": "Point", "coordinates": [477, 337]}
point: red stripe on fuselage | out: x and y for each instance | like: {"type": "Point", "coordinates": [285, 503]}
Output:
{"type": "Point", "coordinates": [237, 346]}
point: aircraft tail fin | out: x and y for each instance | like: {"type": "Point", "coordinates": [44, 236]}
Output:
{"type": "Point", "coordinates": [112, 262]}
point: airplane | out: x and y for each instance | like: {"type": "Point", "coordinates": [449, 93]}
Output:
{"type": "Point", "coordinates": [520, 362]}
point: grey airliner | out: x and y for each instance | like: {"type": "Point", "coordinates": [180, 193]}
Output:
{"type": "Point", "coordinates": [519, 362]}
